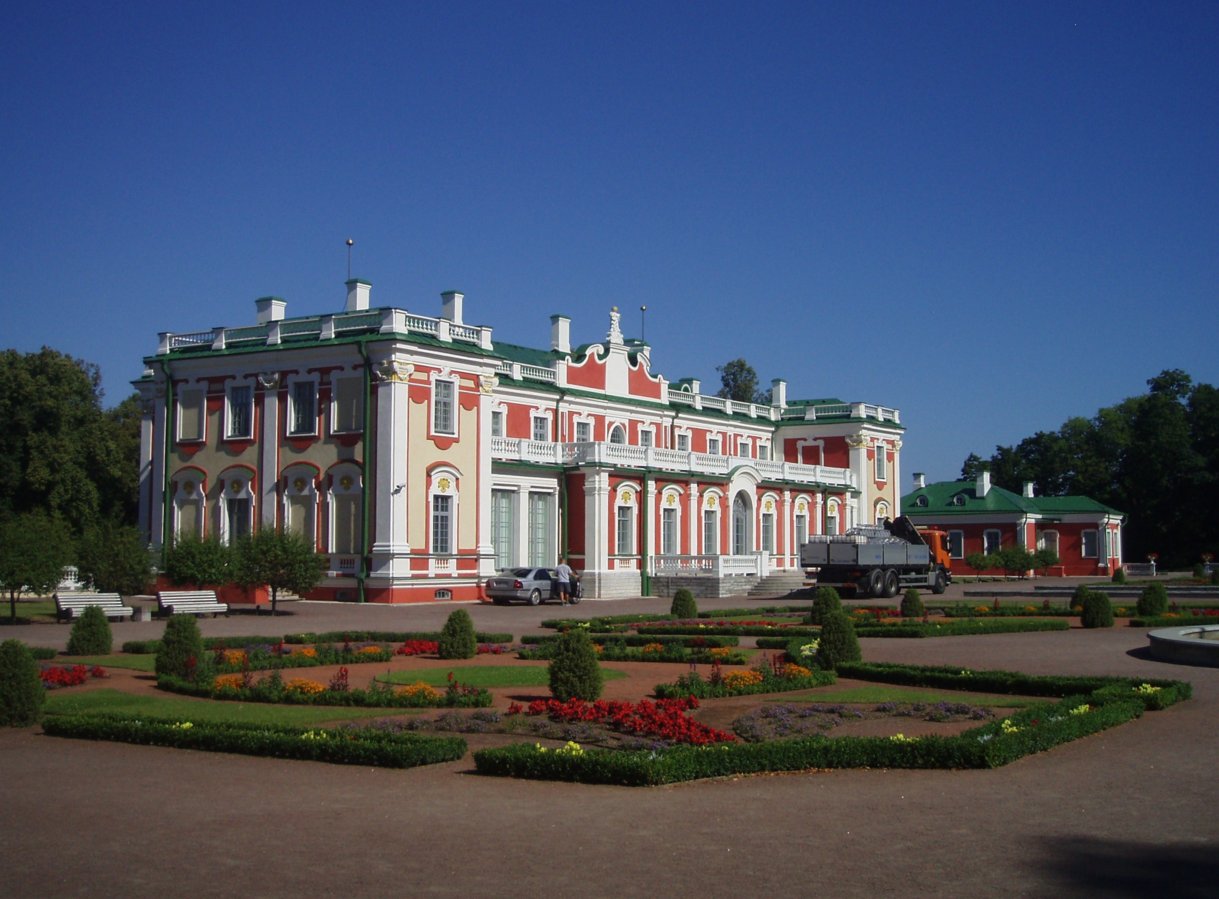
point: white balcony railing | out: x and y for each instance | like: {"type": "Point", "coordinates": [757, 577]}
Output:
{"type": "Point", "coordinates": [618, 455]}
{"type": "Point", "coordinates": [711, 566]}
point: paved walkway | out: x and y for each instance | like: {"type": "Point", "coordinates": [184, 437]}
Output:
{"type": "Point", "coordinates": [1128, 812]}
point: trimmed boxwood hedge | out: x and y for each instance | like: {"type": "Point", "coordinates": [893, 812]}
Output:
{"type": "Point", "coordinates": [342, 746]}
{"type": "Point", "coordinates": [961, 627]}
{"type": "Point", "coordinates": [145, 647]}
{"type": "Point", "coordinates": [707, 641]}
{"type": "Point", "coordinates": [613, 651]}
{"type": "Point", "coordinates": [693, 684]}
{"type": "Point", "coordinates": [711, 630]}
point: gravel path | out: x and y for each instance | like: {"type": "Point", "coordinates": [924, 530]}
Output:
{"type": "Point", "coordinates": [1127, 812]}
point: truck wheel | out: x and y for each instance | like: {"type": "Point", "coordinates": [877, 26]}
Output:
{"type": "Point", "coordinates": [940, 584]}
{"type": "Point", "coordinates": [891, 583]}
{"type": "Point", "coordinates": [876, 583]}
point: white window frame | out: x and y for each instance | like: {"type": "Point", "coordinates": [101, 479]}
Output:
{"type": "Point", "coordinates": [234, 493]}
{"type": "Point", "coordinates": [617, 435]}
{"type": "Point", "coordinates": [292, 424]}
{"type": "Point", "coordinates": [300, 483]}
{"type": "Point", "coordinates": [345, 483]}
{"type": "Point", "coordinates": [833, 519]}
{"type": "Point", "coordinates": [743, 449]}
{"type": "Point", "coordinates": [539, 428]}
{"type": "Point", "coordinates": [189, 490]}
{"type": "Point", "coordinates": [444, 482]}
{"type": "Point", "coordinates": [339, 386]}
{"type": "Point", "coordinates": [683, 442]}
{"type": "Point", "coordinates": [882, 462]}
{"type": "Point", "coordinates": [647, 437]}
{"type": "Point", "coordinates": [713, 445]}
{"type": "Point", "coordinates": [1083, 543]}
{"type": "Point", "coordinates": [711, 528]}
{"type": "Point", "coordinates": [541, 534]}
{"type": "Point", "coordinates": [584, 431]}
{"type": "Point", "coordinates": [497, 423]}
{"type": "Point", "coordinates": [232, 430]}
{"type": "Point", "coordinates": [956, 539]}
{"type": "Point", "coordinates": [987, 536]}
{"type": "Point", "coordinates": [444, 407]}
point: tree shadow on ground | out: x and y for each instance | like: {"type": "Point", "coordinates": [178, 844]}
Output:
{"type": "Point", "coordinates": [1121, 868]}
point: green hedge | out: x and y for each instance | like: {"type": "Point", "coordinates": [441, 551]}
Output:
{"type": "Point", "coordinates": [1035, 729]}
{"type": "Point", "coordinates": [970, 610]}
{"type": "Point", "coordinates": [615, 652]}
{"type": "Point", "coordinates": [961, 627]}
{"type": "Point", "coordinates": [145, 647]}
{"type": "Point", "coordinates": [342, 746]}
{"type": "Point", "coordinates": [711, 630]}
{"type": "Point", "coordinates": [273, 689]}
{"type": "Point", "coordinates": [708, 641]}
{"type": "Point", "coordinates": [1182, 619]}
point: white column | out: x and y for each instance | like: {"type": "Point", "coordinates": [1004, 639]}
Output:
{"type": "Point", "coordinates": [486, 552]}
{"type": "Point", "coordinates": [152, 460]}
{"type": "Point", "coordinates": [268, 450]}
{"type": "Point", "coordinates": [392, 547]}
{"type": "Point", "coordinates": [789, 530]}
{"type": "Point", "coordinates": [858, 445]}
{"type": "Point", "coordinates": [694, 518]}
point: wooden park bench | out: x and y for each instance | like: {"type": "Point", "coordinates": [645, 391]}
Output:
{"type": "Point", "coordinates": [72, 605]}
{"type": "Point", "coordinates": [190, 602]}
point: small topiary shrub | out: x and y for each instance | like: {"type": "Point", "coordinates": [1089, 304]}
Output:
{"type": "Point", "coordinates": [457, 640]}
{"type": "Point", "coordinates": [1077, 598]}
{"type": "Point", "coordinates": [825, 601]}
{"type": "Point", "coordinates": [574, 672]}
{"type": "Point", "coordinates": [180, 652]}
{"type": "Point", "coordinates": [1097, 611]}
{"type": "Point", "coordinates": [1119, 576]}
{"type": "Point", "coordinates": [21, 690]}
{"type": "Point", "coordinates": [90, 634]}
{"type": "Point", "coordinates": [684, 605]}
{"type": "Point", "coordinates": [912, 604]}
{"type": "Point", "coordinates": [838, 642]}
{"type": "Point", "coordinates": [1153, 601]}
{"type": "Point", "coordinates": [1199, 572]}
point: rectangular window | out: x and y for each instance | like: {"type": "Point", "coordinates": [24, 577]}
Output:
{"type": "Point", "coordinates": [442, 524]}
{"type": "Point", "coordinates": [347, 405]}
{"type": "Point", "coordinates": [711, 533]}
{"type": "Point", "coordinates": [302, 412]}
{"type": "Point", "coordinates": [831, 522]}
{"type": "Point", "coordinates": [497, 423]}
{"type": "Point", "coordinates": [882, 463]}
{"type": "Point", "coordinates": [625, 542]}
{"type": "Point", "coordinates": [584, 432]}
{"type": "Point", "coordinates": [764, 452]}
{"type": "Point", "coordinates": [645, 436]}
{"type": "Point", "coordinates": [742, 449]}
{"type": "Point", "coordinates": [345, 533]}
{"type": "Point", "coordinates": [237, 510]}
{"type": "Point", "coordinates": [668, 532]}
{"type": "Point", "coordinates": [683, 443]}
{"type": "Point", "coordinates": [541, 429]}
{"type": "Point", "coordinates": [956, 544]}
{"type": "Point", "coordinates": [240, 412]}
{"type": "Point", "coordinates": [768, 531]}
{"type": "Point", "coordinates": [190, 414]}
{"type": "Point", "coordinates": [713, 446]}
{"type": "Point", "coordinates": [801, 530]}
{"type": "Point", "coordinates": [991, 540]}
{"type": "Point", "coordinates": [1091, 545]}
{"type": "Point", "coordinates": [503, 532]}
{"type": "Point", "coordinates": [443, 419]}
{"type": "Point", "coordinates": [541, 529]}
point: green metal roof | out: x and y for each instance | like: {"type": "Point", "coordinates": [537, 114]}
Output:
{"type": "Point", "coordinates": [948, 498]}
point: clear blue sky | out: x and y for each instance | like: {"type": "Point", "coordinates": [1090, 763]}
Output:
{"type": "Point", "coordinates": [991, 215]}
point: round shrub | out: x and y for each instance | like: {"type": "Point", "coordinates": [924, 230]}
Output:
{"type": "Point", "coordinates": [684, 605]}
{"type": "Point", "coordinates": [1153, 601]}
{"type": "Point", "coordinates": [825, 601]}
{"type": "Point", "coordinates": [1077, 598]}
{"type": "Point", "coordinates": [90, 634]}
{"type": "Point", "coordinates": [838, 642]}
{"type": "Point", "coordinates": [180, 652]}
{"type": "Point", "coordinates": [1119, 576]}
{"type": "Point", "coordinates": [1199, 572]}
{"type": "Point", "coordinates": [1097, 611]}
{"type": "Point", "coordinates": [21, 690]}
{"type": "Point", "coordinates": [457, 639]}
{"type": "Point", "coordinates": [574, 672]}
{"type": "Point", "coordinates": [912, 604]}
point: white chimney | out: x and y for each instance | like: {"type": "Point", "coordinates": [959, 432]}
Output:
{"type": "Point", "coordinates": [920, 480]}
{"type": "Point", "coordinates": [450, 307]}
{"type": "Point", "coordinates": [270, 309]}
{"type": "Point", "coordinates": [1028, 489]}
{"type": "Point", "coordinates": [983, 486]}
{"type": "Point", "coordinates": [778, 392]}
{"type": "Point", "coordinates": [357, 295]}
{"type": "Point", "coordinates": [560, 333]}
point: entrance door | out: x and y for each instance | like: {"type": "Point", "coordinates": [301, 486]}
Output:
{"type": "Point", "coordinates": [742, 526]}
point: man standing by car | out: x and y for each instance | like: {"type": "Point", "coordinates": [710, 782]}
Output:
{"type": "Point", "coordinates": [565, 576]}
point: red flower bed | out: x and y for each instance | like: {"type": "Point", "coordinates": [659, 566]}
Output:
{"type": "Point", "coordinates": [69, 676]}
{"type": "Point", "coordinates": [418, 648]}
{"type": "Point", "coordinates": [665, 718]}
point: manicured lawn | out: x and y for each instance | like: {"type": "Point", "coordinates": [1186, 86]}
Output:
{"type": "Point", "coordinates": [488, 676]}
{"type": "Point", "coordinates": [183, 709]}
{"type": "Point", "coordinates": [881, 693]}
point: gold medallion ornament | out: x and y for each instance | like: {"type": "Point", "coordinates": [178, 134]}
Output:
{"type": "Point", "coordinates": [625, 497]}
{"type": "Point", "coordinates": [711, 502]}
{"type": "Point", "coordinates": [236, 486]}
{"type": "Point", "coordinates": [443, 485]}
{"type": "Point", "coordinates": [298, 484]}
{"type": "Point", "coordinates": [670, 500]}
{"type": "Point", "coordinates": [346, 481]}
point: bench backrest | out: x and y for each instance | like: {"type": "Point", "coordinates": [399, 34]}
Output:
{"type": "Point", "coordinates": [171, 597]}
{"type": "Point", "coordinates": [84, 600]}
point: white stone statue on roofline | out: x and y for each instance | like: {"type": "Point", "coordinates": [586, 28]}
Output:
{"type": "Point", "coordinates": [615, 331]}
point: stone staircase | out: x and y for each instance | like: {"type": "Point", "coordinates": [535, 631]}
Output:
{"type": "Point", "coordinates": [781, 583]}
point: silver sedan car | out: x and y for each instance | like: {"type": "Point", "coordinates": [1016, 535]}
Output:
{"type": "Point", "coordinates": [531, 585]}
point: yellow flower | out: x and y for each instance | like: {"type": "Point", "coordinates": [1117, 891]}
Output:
{"type": "Point", "coordinates": [1146, 689]}
{"type": "Point", "coordinates": [1081, 709]}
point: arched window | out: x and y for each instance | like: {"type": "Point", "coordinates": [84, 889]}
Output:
{"type": "Point", "coordinates": [711, 524]}
{"type": "Point", "coordinates": [188, 504]}
{"type": "Point", "coordinates": [624, 522]}
{"type": "Point", "coordinates": [832, 516]}
{"type": "Point", "coordinates": [345, 524]}
{"type": "Point", "coordinates": [742, 526]}
{"type": "Point", "coordinates": [882, 511]}
{"type": "Point", "coordinates": [300, 501]}
{"type": "Point", "coordinates": [236, 505]}
{"type": "Point", "coordinates": [442, 501]}
{"type": "Point", "coordinates": [670, 522]}
{"type": "Point", "coordinates": [617, 434]}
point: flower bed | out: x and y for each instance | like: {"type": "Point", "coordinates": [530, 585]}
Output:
{"type": "Point", "coordinates": [55, 676]}
{"type": "Point", "coordinates": [665, 719]}
{"type": "Point", "coordinates": [344, 746]}
{"type": "Point", "coordinates": [302, 691]}
{"type": "Point", "coordinates": [726, 628]}
{"type": "Point", "coordinates": [772, 676]}
{"type": "Point", "coordinates": [611, 649]}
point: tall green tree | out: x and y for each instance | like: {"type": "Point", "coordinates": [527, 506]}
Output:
{"type": "Point", "coordinates": [739, 382]}
{"type": "Point", "coordinates": [34, 548]}
{"type": "Point", "coordinates": [59, 452]}
{"type": "Point", "coordinates": [280, 561]}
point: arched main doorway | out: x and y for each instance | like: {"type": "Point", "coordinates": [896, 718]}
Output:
{"type": "Point", "coordinates": [742, 525]}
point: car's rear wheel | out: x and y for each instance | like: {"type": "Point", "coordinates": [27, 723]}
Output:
{"type": "Point", "coordinates": [535, 598]}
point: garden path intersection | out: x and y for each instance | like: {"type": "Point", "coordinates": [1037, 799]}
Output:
{"type": "Point", "coordinates": [1127, 811]}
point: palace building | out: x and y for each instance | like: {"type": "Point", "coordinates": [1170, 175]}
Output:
{"type": "Point", "coordinates": [421, 455]}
